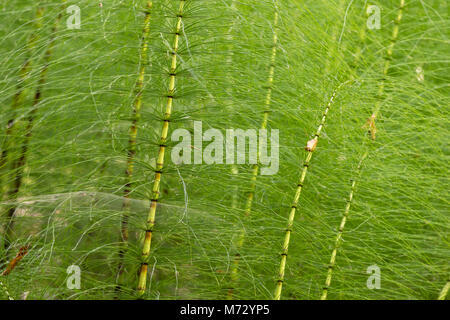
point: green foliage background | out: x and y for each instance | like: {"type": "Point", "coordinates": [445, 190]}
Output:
{"type": "Point", "coordinates": [69, 206]}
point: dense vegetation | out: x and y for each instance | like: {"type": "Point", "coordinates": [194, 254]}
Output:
{"type": "Point", "coordinates": [87, 179]}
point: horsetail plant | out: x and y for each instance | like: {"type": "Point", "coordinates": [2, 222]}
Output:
{"type": "Point", "coordinates": [341, 230]}
{"type": "Point", "coordinates": [160, 159]}
{"type": "Point", "coordinates": [372, 130]}
{"type": "Point", "coordinates": [18, 165]}
{"type": "Point", "coordinates": [371, 121]}
{"type": "Point", "coordinates": [19, 96]}
{"type": "Point", "coordinates": [310, 148]}
{"type": "Point", "coordinates": [394, 204]}
{"type": "Point", "coordinates": [18, 102]}
{"type": "Point", "coordinates": [255, 169]}
{"type": "Point", "coordinates": [137, 104]}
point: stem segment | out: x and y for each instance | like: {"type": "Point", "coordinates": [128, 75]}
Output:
{"type": "Point", "coordinates": [341, 231]}
{"type": "Point", "coordinates": [372, 130]}
{"type": "Point", "coordinates": [132, 141]}
{"type": "Point", "coordinates": [255, 169]}
{"type": "Point", "coordinates": [310, 150]}
{"type": "Point", "coordinates": [18, 101]}
{"type": "Point", "coordinates": [19, 96]}
{"type": "Point", "coordinates": [160, 160]}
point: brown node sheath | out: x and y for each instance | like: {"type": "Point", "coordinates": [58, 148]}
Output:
{"type": "Point", "coordinates": [13, 263]}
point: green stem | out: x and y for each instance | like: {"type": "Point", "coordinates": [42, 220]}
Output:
{"type": "Point", "coordinates": [371, 127]}
{"type": "Point", "coordinates": [255, 169]}
{"type": "Point", "coordinates": [287, 236]}
{"type": "Point", "coordinates": [341, 230]}
{"type": "Point", "coordinates": [18, 102]}
{"type": "Point", "coordinates": [132, 142]}
{"type": "Point", "coordinates": [388, 57]}
{"type": "Point", "coordinates": [19, 95]}
{"type": "Point", "coordinates": [160, 160]}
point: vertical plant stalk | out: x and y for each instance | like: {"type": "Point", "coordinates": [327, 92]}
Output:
{"type": "Point", "coordinates": [255, 169]}
{"type": "Point", "coordinates": [387, 63]}
{"type": "Point", "coordinates": [19, 165]}
{"type": "Point", "coordinates": [310, 148]}
{"type": "Point", "coordinates": [444, 291]}
{"type": "Point", "coordinates": [160, 160]}
{"type": "Point", "coordinates": [19, 95]}
{"type": "Point", "coordinates": [341, 231]}
{"type": "Point", "coordinates": [18, 101]}
{"type": "Point", "coordinates": [372, 130]}
{"type": "Point", "coordinates": [131, 153]}
{"type": "Point", "coordinates": [359, 50]}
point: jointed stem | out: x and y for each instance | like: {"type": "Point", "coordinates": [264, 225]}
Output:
{"type": "Point", "coordinates": [19, 164]}
{"type": "Point", "coordinates": [132, 139]}
{"type": "Point", "coordinates": [18, 100]}
{"type": "Point", "coordinates": [341, 230]}
{"type": "Point", "coordinates": [372, 129]}
{"type": "Point", "coordinates": [255, 169]}
{"type": "Point", "coordinates": [160, 160]}
{"type": "Point", "coordinates": [388, 57]}
{"type": "Point", "coordinates": [19, 96]}
{"type": "Point", "coordinates": [310, 148]}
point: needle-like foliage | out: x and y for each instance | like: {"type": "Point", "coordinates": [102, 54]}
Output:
{"type": "Point", "coordinates": [93, 116]}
